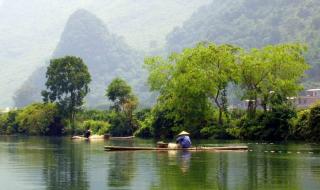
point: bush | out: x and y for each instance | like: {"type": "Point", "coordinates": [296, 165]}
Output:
{"type": "Point", "coordinates": [300, 125]}
{"type": "Point", "coordinates": [213, 131]}
{"type": "Point", "coordinates": [96, 127]}
{"type": "Point", "coordinates": [246, 128]}
{"type": "Point", "coordinates": [277, 122]}
{"type": "Point", "coordinates": [8, 123]}
{"type": "Point", "coordinates": [120, 124]}
{"type": "Point", "coordinates": [39, 119]}
{"type": "Point", "coordinates": [314, 123]}
{"type": "Point", "coordinates": [97, 115]}
{"type": "Point", "coordinates": [145, 130]}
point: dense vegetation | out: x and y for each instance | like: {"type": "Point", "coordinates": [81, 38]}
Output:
{"type": "Point", "coordinates": [193, 88]}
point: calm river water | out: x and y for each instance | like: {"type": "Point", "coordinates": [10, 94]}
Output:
{"type": "Point", "coordinates": [60, 163]}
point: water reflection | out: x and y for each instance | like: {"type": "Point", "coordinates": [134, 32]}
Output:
{"type": "Point", "coordinates": [63, 168]}
{"type": "Point", "coordinates": [184, 161]}
{"type": "Point", "coordinates": [59, 163]}
{"type": "Point", "coordinates": [121, 169]}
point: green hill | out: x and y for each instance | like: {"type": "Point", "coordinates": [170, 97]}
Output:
{"type": "Point", "coordinates": [254, 23]}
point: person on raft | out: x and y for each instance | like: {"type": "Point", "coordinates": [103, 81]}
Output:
{"type": "Point", "coordinates": [183, 140]}
{"type": "Point", "coordinates": [87, 133]}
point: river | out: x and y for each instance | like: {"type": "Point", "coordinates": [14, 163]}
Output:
{"type": "Point", "coordinates": [60, 163]}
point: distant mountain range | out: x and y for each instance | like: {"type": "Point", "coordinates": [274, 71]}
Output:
{"type": "Point", "coordinates": [106, 55]}
{"type": "Point", "coordinates": [30, 30]}
{"type": "Point", "coordinates": [255, 23]}
{"type": "Point", "coordinates": [137, 28]}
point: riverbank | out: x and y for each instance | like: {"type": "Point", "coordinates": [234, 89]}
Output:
{"type": "Point", "coordinates": [276, 125]}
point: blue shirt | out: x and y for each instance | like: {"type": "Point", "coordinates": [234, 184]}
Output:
{"type": "Point", "coordinates": [184, 141]}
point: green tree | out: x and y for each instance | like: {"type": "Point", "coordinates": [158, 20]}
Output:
{"type": "Point", "coordinates": [217, 68]}
{"type": "Point", "coordinates": [272, 70]}
{"type": "Point", "coordinates": [67, 84]}
{"type": "Point", "coordinates": [191, 83]}
{"type": "Point", "coordinates": [125, 102]}
{"type": "Point", "coordinates": [119, 92]}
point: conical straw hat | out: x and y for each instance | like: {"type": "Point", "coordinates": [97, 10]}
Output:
{"type": "Point", "coordinates": [183, 133]}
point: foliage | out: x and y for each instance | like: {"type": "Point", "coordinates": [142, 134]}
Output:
{"type": "Point", "coordinates": [119, 92]}
{"type": "Point", "coordinates": [96, 127]}
{"type": "Point", "coordinates": [125, 102]}
{"type": "Point", "coordinates": [39, 119]}
{"type": "Point", "coordinates": [277, 122]}
{"type": "Point", "coordinates": [99, 115]}
{"type": "Point", "coordinates": [145, 131]}
{"type": "Point", "coordinates": [67, 84]}
{"type": "Point", "coordinates": [185, 82]}
{"type": "Point", "coordinates": [314, 123]}
{"type": "Point", "coordinates": [271, 70]}
{"type": "Point", "coordinates": [300, 125]}
{"type": "Point", "coordinates": [120, 125]}
{"type": "Point", "coordinates": [8, 123]}
{"type": "Point", "coordinates": [306, 125]}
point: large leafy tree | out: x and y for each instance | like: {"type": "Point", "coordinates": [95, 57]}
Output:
{"type": "Point", "coordinates": [216, 67]}
{"type": "Point", "coordinates": [191, 82]}
{"type": "Point", "coordinates": [67, 84]}
{"type": "Point", "coordinates": [271, 71]}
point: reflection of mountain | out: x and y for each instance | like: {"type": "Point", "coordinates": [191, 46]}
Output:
{"type": "Point", "coordinates": [106, 55]}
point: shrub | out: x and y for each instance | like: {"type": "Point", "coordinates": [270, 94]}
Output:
{"type": "Point", "coordinates": [96, 127]}
{"type": "Point", "coordinates": [97, 115]}
{"type": "Point", "coordinates": [314, 123]}
{"type": "Point", "coordinates": [120, 124]}
{"type": "Point", "coordinates": [277, 122]}
{"type": "Point", "coordinates": [145, 130]}
{"type": "Point", "coordinates": [39, 119]}
{"type": "Point", "coordinates": [300, 125]}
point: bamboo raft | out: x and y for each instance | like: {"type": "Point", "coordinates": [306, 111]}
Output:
{"type": "Point", "coordinates": [121, 138]}
{"type": "Point", "coordinates": [216, 149]}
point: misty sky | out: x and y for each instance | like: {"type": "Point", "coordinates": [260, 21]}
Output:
{"type": "Point", "coordinates": [30, 30]}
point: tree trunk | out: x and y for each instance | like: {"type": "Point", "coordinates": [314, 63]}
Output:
{"type": "Point", "coordinates": [220, 117]}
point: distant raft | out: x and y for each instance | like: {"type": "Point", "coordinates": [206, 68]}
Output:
{"type": "Point", "coordinates": [217, 149]}
{"type": "Point", "coordinates": [101, 137]}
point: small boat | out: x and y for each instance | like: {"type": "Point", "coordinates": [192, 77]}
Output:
{"type": "Point", "coordinates": [92, 137]}
{"type": "Point", "coordinates": [222, 148]}
{"type": "Point", "coordinates": [121, 138]}
{"type": "Point", "coordinates": [101, 137]}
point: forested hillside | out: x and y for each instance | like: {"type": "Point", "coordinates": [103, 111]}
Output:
{"type": "Point", "coordinates": [106, 55]}
{"type": "Point", "coordinates": [254, 23]}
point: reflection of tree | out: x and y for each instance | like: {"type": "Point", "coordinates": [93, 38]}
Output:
{"type": "Point", "coordinates": [273, 171]}
{"type": "Point", "coordinates": [183, 170]}
{"type": "Point", "coordinates": [222, 171]}
{"type": "Point", "coordinates": [64, 167]}
{"type": "Point", "coordinates": [122, 169]}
